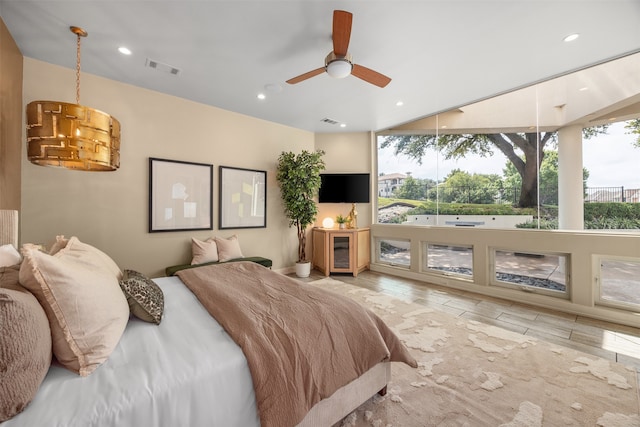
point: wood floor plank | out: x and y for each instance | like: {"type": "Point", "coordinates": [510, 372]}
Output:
{"type": "Point", "coordinates": [608, 340]}
{"type": "Point", "coordinates": [535, 325]}
{"type": "Point", "coordinates": [494, 322]}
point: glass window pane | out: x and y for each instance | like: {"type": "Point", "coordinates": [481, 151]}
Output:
{"type": "Point", "coordinates": [394, 252]}
{"type": "Point", "coordinates": [620, 281]}
{"type": "Point", "coordinates": [447, 259]}
{"type": "Point", "coordinates": [526, 270]}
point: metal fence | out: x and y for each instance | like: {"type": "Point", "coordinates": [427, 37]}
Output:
{"type": "Point", "coordinates": [612, 194]}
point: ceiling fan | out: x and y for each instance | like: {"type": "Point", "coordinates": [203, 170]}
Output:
{"type": "Point", "coordinates": [338, 63]}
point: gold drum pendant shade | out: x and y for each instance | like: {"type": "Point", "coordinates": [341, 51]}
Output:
{"type": "Point", "coordinates": [72, 136]}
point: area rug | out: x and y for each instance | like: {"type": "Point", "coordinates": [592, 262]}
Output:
{"type": "Point", "coordinates": [473, 374]}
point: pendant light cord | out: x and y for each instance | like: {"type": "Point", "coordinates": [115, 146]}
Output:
{"type": "Point", "coordinates": [78, 71]}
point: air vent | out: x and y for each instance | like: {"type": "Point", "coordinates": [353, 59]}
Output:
{"type": "Point", "coordinates": [165, 68]}
{"type": "Point", "coordinates": [330, 121]}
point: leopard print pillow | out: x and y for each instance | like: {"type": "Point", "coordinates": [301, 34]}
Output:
{"type": "Point", "coordinates": [145, 298]}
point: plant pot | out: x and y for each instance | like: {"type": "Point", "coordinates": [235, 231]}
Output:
{"type": "Point", "coordinates": [342, 226]}
{"type": "Point", "coordinates": [303, 269]}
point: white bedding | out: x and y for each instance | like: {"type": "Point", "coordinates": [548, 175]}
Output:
{"type": "Point", "coordinates": [158, 375]}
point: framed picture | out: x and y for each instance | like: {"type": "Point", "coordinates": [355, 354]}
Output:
{"type": "Point", "coordinates": [180, 195]}
{"type": "Point", "coordinates": [243, 198]}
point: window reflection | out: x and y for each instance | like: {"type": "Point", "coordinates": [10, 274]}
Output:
{"type": "Point", "coordinates": [500, 155]}
{"type": "Point", "coordinates": [394, 252]}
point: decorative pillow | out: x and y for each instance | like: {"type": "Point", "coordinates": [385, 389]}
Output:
{"type": "Point", "coordinates": [145, 298]}
{"type": "Point", "coordinates": [88, 255]}
{"type": "Point", "coordinates": [206, 251]}
{"type": "Point", "coordinates": [9, 276]}
{"type": "Point", "coordinates": [78, 289]}
{"type": "Point", "coordinates": [228, 248]}
{"type": "Point", "coordinates": [25, 350]}
{"type": "Point", "coordinates": [60, 243]}
{"type": "Point", "coordinates": [9, 256]}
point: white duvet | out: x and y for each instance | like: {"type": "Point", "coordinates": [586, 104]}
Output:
{"type": "Point", "coordinates": [184, 372]}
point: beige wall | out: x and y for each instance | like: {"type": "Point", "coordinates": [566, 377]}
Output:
{"type": "Point", "coordinates": [10, 118]}
{"type": "Point", "coordinates": [110, 209]}
{"type": "Point", "coordinates": [347, 153]}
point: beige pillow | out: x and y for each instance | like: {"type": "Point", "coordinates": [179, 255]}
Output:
{"type": "Point", "coordinates": [60, 243]}
{"type": "Point", "coordinates": [88, 255]}
{"type": "Point", "coordinates": [25, 350]}
{"type": "Point", "coordinates": [79, 291]}
{"type": "Point", "coordinates": [228, 248]}
{"type": "Point", "coordinates": [9, 276]}
{"type": "Point", "coordinates": [202, 252]}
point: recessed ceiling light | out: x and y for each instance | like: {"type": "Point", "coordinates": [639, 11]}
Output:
{"type": "Point", "coordinates": [582, 89]}
{"type": "Point", "coordinates": [571, 37]}
{"type": "Point", "coordinates": [262, 96]}
{"type": "Point", "coordinates": [399, 104]}
{"type": "Point", "coordinates": [123, 50]}
{"type": "Point", "coordinates": [343, 125]}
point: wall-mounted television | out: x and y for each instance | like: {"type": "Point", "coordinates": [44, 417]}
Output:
{"type": "Point", "coordinates": [344, 188]}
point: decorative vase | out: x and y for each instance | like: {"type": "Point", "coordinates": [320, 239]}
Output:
{"type": "Point", "coordinates": [303, 268]}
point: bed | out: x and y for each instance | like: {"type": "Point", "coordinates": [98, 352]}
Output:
{"type": "Point", "coordinates": [185, 371]}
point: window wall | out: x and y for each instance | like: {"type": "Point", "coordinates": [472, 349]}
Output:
{"type": "Point", "coordinates": [501, 157]}
{"type": "Point", "coordinates": [518, 162]}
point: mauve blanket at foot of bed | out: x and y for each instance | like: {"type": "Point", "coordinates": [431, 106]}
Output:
{"type": "Point", "coordinates": [302, 343]}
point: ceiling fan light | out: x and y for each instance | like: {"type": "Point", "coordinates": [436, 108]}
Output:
{"type": "Point", "coordinates": [339, 68]}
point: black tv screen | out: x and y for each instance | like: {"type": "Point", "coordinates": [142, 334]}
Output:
{"type": "Point", "coordinates": [344, 188]}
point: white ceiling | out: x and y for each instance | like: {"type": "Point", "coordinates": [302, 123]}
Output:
{"type": "Point", "coordinates": [440, 54]}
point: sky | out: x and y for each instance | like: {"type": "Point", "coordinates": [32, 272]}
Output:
{"type": "Point", "coordinates": [612, 161]}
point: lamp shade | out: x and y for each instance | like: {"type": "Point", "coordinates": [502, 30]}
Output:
{"type": "Point", "coordinates": [72, 136]}
{"type": "Point", "coordinates": [327, 222]}
{"type": "Point", "coordinates": [339, 68]}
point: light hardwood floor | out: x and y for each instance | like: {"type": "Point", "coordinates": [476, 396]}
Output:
{"type": "Point", "coordinates": [608, 340]}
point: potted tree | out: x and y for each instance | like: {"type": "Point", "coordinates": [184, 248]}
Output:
{"type": "Point", "coordinates": [299, 180]}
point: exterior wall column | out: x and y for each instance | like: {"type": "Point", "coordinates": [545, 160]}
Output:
{"type": "Point", "coordinates": [570, 185]}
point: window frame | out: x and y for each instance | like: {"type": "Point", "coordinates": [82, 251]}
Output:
{"type": "Point", "coordinates": [597, 280]}
{"type": "Point", "coordinates": [494, 281]}
{"type": "Point", "coordinates": [424, 266]}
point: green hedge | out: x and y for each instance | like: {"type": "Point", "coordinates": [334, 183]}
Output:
{"type": "Point", "coordinates": [430, 208]}
{"type": "Point", "coordinates": [595, 211]}
{"type": "Point", "coordinates": [597, 216]}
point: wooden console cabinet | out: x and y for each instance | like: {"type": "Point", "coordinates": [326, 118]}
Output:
{"type": "Point", "coordinates": [341, 251]}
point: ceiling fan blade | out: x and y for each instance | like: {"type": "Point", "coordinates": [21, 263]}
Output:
{"type": "Point", "coordinates": [306, 76]}
{"type": "Point", "coordinates": [341, 31]}
{"type": "Point", "coordinates": [370, 76]}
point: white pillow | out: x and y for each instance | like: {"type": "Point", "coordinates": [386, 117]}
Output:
{"type": "Point", "coordinates": [228, 248]}
{"type": "Point", "coordinates": [202, 252]}
{"type": "Point", "coordinates": [9, 256]}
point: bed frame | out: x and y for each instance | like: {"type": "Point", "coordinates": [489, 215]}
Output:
{"type": "Point", "coordinates": [346, 399]}
{"type": "Point", "coordinates": [325, 413]}
{"type": "Point", "coordinates": [9, 227]}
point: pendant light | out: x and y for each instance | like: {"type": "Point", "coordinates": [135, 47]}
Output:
{"type": "Point", "coordinates": [72, 136]}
